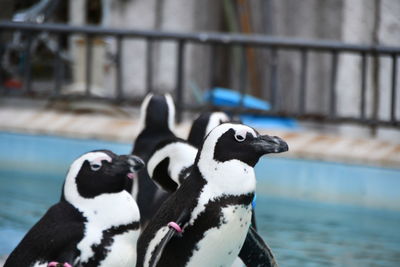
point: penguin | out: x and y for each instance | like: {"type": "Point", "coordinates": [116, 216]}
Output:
{"type": "Point", "coordinates": [206, 220]}
{"type": "Point", "coordinates": [157, 123]}
{"type": "Point", "coordinates": [202, 126]}
{"type": "Point", "coordinates": [95, 223]}
{"type": "Point", "coordinates": [171, 163]}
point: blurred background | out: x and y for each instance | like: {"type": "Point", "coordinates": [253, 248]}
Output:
{"type": "Point", "coordinates": [324, 75]}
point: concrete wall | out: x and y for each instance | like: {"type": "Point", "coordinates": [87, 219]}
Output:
{"type": "Point", "coordinates": [368, 22]}
{"type": "Point", "coordinates": [174, 15]}
{"type": "Point", "coordinates": [310, 19]}
{"type": "Point", "coordinates": [354, 21]}
{"type": "Point", "coordinates": [350, 21]}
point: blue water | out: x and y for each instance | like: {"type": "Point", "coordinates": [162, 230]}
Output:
{"type": "Point", "coordinates": [300, 232]}
{"type": "Point", "coordinates": [305, 233]}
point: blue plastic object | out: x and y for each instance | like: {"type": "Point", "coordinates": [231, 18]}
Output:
{"type": "Point", "coordinates": [257, 121]}
{"type": "Point", "coordinates": [225, 97]}
{"type": "Point", "coordinates": [229, 98]}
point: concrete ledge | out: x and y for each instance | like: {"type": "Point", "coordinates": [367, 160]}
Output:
{"type": "Point", "coordinates": [121, 125]}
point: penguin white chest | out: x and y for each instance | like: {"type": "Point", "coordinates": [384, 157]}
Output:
{"type": "Point", "coordinates": [221, 245]}
{"type": "Point", "coordinates": [104, 215]}
{"type": "Point", "coordinates": [122, 252]}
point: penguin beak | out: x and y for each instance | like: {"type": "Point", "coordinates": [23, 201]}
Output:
{"type": "Point", "coordinates": [265, 144]}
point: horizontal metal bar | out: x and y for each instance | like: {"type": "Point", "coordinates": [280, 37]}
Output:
{"type": "Point", "coordinates": [206, 37]}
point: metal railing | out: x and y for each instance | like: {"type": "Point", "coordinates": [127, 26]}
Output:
{"type": "Point", "coordinates": [273, 44]}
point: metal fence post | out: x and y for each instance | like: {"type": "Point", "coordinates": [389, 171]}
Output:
{"type": "Point", "coordinates": [119, 70]}
{"type": "Point", "coordinates": [179, 79]}
{"type": "Point", "coordinates": [88, 71]}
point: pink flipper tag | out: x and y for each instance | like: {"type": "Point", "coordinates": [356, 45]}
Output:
{"type": "Point", "coordinates": [175, 226]}
{"type": "Point", "coordinates": [66, 264]}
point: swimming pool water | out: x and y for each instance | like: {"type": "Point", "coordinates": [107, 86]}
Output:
{"type": "Point", "coordinates": [303, 233]}
{"type": "Point", "coordinates": [300, 233]}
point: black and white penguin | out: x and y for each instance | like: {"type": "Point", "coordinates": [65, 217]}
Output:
{"type": "Point", "coordinates": [171, 163]}
{"type": "Point", "coordinates": [206, 220]}
{"type": "Point", "coordinates": [202, 126]}
{"type": "Point", "coordinates": [96, 222]}
{"type": "Point", "coordinates": [157, 123]}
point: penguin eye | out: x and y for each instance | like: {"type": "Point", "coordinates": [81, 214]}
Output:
{"type": "Point", "coordinates": [95, 166]}
{"type": "Point", "coordinates": [239, 137]}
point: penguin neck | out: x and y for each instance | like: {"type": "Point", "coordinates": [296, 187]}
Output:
{"type": "Point", "coordinates": [232, 177]}
{"type": "Point", "coordinates": [107, 210]}
{"type": "Point", "coordinates": [214, 185]}
{"type": "Point", "coordinates": [153, 132]}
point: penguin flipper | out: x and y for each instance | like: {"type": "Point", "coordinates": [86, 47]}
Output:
{"type": "Point", "coordinates": [156, 255]}
{"type": "Point", "coordinates": [54, 234]}
{"type": "Point", "coordinates": [174, 230]}
{"type": "Point", "coordinates": [255, 252]}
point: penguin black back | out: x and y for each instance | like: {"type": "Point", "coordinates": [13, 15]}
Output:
{"type": "Point", "coordinates": [157, 121]}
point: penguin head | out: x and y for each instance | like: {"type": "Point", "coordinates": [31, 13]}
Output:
{"type": "Point", "coordinates": [204, 124]}
{"type": "Point", "coordinates": [227, 157]}
{"type": "Point", "coordinates": [157, 112]}
{"type": "Point", "coordinates": [230, 141]}
{"type": "Point", "coordinates": [100, 172]}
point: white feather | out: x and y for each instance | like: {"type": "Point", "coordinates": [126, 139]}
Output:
{"type": "Point", "coordinates": [181, 156]}
{"type": "Point", "coordinates": [122, 252]}
{"type": "Point", "coordinates": [153, 243]}
{"type": "Point", "coordinates": [221, 245]}
{"type": "Point", "coordinates": [171, 112]}
{"type": "Point", "coordinates": [215, 119]}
